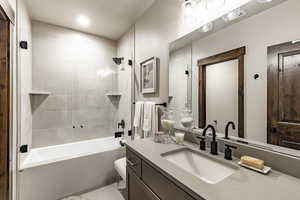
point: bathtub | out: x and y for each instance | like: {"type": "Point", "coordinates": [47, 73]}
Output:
{"type": "Point", "coordinates": [54, 172]}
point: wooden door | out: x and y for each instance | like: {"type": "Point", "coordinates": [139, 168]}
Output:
{"type": "Point", "coordinates": [136, 189]}
{"type": "Point", "coordinates": [284, 95]}
{"type": "Point", "coordinates": [4, 108]}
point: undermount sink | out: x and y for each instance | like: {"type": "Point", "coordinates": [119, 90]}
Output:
{"type": "Point", "coordinates": [205, 167]}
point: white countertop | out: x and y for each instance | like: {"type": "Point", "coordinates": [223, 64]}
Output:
{"type": "Point", "coordinates": [243, 185]}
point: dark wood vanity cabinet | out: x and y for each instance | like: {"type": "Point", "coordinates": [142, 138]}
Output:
{"type": "Point", "coordinates": [144, 182]}
{"type": "Point", "coordinates": [136, 189]}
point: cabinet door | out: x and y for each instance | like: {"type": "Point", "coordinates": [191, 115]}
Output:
{"type": "Point", "coordinates": [162, 186]}
{"type": "Point", "coordinates": [136, 189]}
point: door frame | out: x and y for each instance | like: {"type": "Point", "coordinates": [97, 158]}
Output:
{"type": "Point", "coordinates": [7, 20]}
{"type": "Point", "coordinates": [234, 54]}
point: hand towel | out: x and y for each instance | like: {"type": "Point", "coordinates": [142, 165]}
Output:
{"type": "Point", "coordinates": [138, 115]}
{"type": "Point", "coordinates": [149, 118]}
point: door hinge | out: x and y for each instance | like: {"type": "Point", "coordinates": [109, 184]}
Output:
{"type": "Point", "coordinates": [24, 149]}
{"type": "Point", "coordinates": [24, 44]}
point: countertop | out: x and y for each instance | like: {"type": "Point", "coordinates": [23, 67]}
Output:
{"type": "Point", "coordinates": [243, 184]}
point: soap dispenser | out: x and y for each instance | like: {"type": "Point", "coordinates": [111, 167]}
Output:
{"type": "Point", "coordinates": [228, 151]}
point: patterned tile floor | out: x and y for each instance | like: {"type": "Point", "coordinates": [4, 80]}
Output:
{"type": "Point", "coordinates": [109, 192]}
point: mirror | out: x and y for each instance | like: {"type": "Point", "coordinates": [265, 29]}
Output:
{"type": "Point", "coordinates": [250, 96]}
{"type": "Point", "coordinates": [180, 77]}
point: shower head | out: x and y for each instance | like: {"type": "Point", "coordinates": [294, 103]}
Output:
{"type": "Point", "coordinates": [118, 61]}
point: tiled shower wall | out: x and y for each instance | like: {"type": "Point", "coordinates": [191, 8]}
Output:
{"type": "Point", "coordinates": [77, 69]}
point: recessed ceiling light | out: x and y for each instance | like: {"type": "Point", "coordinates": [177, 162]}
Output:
{"type": "Point", "coordinates": [235, 14]}
{"type": "Point", "coordinates": [83, 20]}
{"type": "Point", "coordinates": [264, 1]}
{"type": "Point", "coordinates": [207, 27]}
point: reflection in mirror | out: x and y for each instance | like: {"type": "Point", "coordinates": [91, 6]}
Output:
{"type": "Point", "coordinates": [180, 79]}
{"type": "Point", "coordinates": [271, 119]}
{"type": "Point", "coordinates": [222, 95]}
{"type": "Point", "coordinates": [268, 122]}
{"type": "Point", "coordinates": [221, 90]}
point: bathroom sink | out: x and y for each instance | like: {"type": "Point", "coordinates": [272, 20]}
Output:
{"type": "Point", "coordinates": [205, 167]}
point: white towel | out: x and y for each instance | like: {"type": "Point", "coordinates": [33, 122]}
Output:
{"type": "Point", "coordinates": [138, 115]}
{"type": "Point", "coordinates": [149, 119]}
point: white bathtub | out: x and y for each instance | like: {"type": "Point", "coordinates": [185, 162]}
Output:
{"type": "Point", "coordinates": [52, 154]}
{"type": "Point", "coordinates": [54, 172]}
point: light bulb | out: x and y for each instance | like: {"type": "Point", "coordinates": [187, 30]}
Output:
{"type": "Point", "coordinates": [237, 13]}
{"type": "Point", "coordinates": [207, 27]}
{"type": "Point", "coordinates": [188, 7]}
{"type": "Point", "coordinates": [83, 20]}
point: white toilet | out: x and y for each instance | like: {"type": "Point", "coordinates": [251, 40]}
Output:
{"type": "Point", "coordinates": [120, 167]}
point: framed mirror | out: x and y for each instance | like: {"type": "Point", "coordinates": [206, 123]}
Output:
{"type": "Point", "coordinates": [243, 72]}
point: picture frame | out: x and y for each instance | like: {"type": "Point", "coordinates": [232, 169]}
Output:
{"type": "Point", "coordinates": [149, 75]}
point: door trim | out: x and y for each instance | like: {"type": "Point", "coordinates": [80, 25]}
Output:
{"type": "Point", "coordinates": [5, 125]}
{"type": "Point", "coordinates": [6, 11]}
{"type": "Point", "coordinates": [238, 54]}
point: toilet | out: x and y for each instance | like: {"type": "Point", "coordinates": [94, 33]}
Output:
{"type": "Point", "coordinates": [120, 167]}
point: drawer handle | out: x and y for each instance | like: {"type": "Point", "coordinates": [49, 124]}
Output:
{"type": "Point", "coordinates": [131, 163]}
{"type": "Point", "coordinates": [290, 142]}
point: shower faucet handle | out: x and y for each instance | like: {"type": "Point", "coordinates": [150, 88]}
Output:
{"type": "Point", "coordinates": [121, 124]}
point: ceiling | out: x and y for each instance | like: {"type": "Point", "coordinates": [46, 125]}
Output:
{"type": "Point", "coordinates": [109, 18]}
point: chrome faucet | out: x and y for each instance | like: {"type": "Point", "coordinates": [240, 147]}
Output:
{"type": "Point", "coordinates": [214, 143]}
{"type": "Point", "coordinates": [227, 127]}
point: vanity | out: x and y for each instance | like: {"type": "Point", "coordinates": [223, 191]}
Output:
{"type": "Point", "coordinates": [154, 174]}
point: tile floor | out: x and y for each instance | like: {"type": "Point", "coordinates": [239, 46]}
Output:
{"type": "Point", "coordinates": [109, 192]}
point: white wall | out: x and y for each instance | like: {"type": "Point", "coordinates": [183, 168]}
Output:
{"type": "Point", "coordinates": [222, 95]}
{"type": "Point", "coordinates": [154, 31]}
{"type": "Point", "coordinates": [162, 23]}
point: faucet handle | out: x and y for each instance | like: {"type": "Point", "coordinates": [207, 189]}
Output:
{"type": "Point", "coordinates": [228, 151]}
{"type": "Point", "coordinates": [202, 142]}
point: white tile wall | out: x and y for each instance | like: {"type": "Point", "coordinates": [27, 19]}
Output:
{"type": "Point", "coordinates": [72, 65]}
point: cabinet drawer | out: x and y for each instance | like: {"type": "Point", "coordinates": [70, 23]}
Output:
{"type": "Point", "coordinates": [161, 185]}
{"type": "Point", "coordinates": [137, 190]}
{"type": "Point", "coordinates": [134, 162]}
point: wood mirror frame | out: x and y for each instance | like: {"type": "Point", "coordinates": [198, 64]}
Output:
{"type": "Point", "coordinates": [238, 54]}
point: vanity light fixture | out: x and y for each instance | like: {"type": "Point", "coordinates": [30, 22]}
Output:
{"type": "Point", "coordinates": [235, 14]}
{"type": "Point", "coordinates": [207, 27]}
{"type": "Point", "coordinates": [188, 5]}
{"type": "Point", "coordinates": [83, 20]}
{"type": "Point", "coordinates": [264, 1]}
